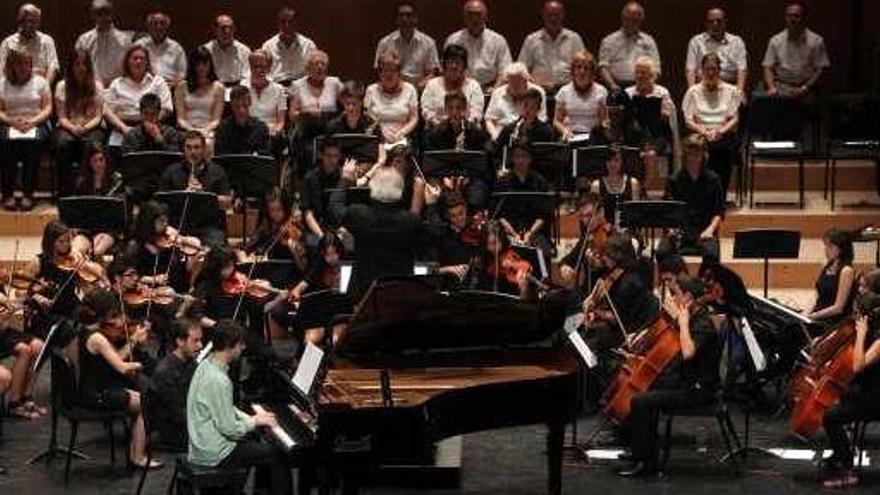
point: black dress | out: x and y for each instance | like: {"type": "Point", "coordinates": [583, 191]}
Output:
{"type": "Point", "coordinates": [826, 293]}
{"type": "Point", "coordinates": [611, 199]}
{"type": "Point", "coordinates": [101, 387]}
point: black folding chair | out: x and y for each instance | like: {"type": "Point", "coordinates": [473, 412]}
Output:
{"type": "Point", "coordinates": [854, 132]}
{"type": "Point", "coordinates": [774, 129]}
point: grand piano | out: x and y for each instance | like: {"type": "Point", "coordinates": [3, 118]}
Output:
{"type": "Point", "coordinates": [415, 366]}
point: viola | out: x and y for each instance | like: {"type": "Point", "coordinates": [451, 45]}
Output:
{"type": "Point", "coordinates": [238, 284]}
{"type": "Point", "coordinates": [160, 296]}
{"type": "Point", "coordinates": [290, 231]}
{"type": "Point", "coordinates": [651, 352]}
{"type": "Point", "coordinates": [187, 245]}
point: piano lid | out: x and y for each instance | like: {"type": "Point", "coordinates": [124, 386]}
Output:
{"type": "Point", "coordinates": [403, 314]}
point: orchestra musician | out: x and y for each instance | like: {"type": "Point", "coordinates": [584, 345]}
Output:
{"type": "Point", "coordinates": [19, 381]}
{"type": "Point", "coordinates": [321, 214]}
{"type": "Point", "coordinates": [616, 186]}
{"type": "Point", "coordinates": [457, 242]}
{"type": "Point", "coordinates": [835, 283]}
{"type": "Point", "coordinates": [153, 251]}
{"type": "Point", "coordinates": [97, 176]}
{"type": "Point", "coordinates": [498, 268]}
{"type": "Point", "coordinates": [170, 383]}
{"type": "Point", "coordinates": [279, 235]}
{"type": "Point", "coordinates": [108, 377]}
{"type": "Point", "coordinates": [220, 433]}
{"type": "Point", "coordinates": [693, 383]}
{"type": "Point", "coordinates": [150, 134]}
{"type": "Point", "coordinates": [524, 221]}
{"type": "Point", "coordinates": [583, 264]}
{"type": "Point", "coordinates": [529, 126]}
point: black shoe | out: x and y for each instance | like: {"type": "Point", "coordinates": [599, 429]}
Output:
{"type": "Point", "coordinates": [639, 469]}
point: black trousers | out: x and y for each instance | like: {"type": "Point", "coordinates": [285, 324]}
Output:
{"type": "Point", "coordinates": [646, 408]}
{"type": "Point", "coordinates": [723, 154]}
{"type": "Point", "coordinates": [851, 408]}
{"type": "Point", "coordinates": [272, 472]}
{"type": "Point", "coordinates": [26, 151]}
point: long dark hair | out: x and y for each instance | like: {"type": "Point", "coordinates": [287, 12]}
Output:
{"type": "Point", "coordinates": [274, 194]}
{"type": "Point", "coordinates": [88, 174]}
{"type": "Point", "coordinates": [841, 239]}
{"type": "Point", "coordinates": [200, 55]}
{"type": "Point", "coordinates": [51, 233]}
{"type": "Point", "coordinates": [144, 227]}
{"type": "Point", "coordinates": [216, 259]}
{"type": "Point", "coordinates": [78, 95]}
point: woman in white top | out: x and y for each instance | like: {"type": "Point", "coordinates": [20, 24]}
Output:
{"type": "Point", "coordinates": [453, 79]}
{"type": "Point", "coordinates": [711, 109]}
{"type": "Point", "coordinates": [268, 99]}
{"type": "Point", "coordinates": [25, 107]}
{"type": "Point", "coordinates": [392, 102]}
{"type": "Point", "coordinates": [580, 104]}
{"type": "Point", "coordinates": [316, 94]}
{"type": "Point", "coordinates": [79, 106]}
{"type": "Point", "coordinates": [504, 105]}
{"type": "Point", "coordinates": [123, 97]}
{"type": "Point", "coordinates": [199, 97]}
{"type": "Point", "coordinates": [655, 139]}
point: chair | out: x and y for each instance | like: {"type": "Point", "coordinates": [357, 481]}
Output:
{"type": "Point", "coordinates": [63, 392]}
{"type": "Point", "coordinates": [854, 132]}
{"type": "Point", "coordinates": [774, 131]}
{"type": "Point", "coordinates": [197, 478]}
{"type": "Point", "coordinates": [148, 401]}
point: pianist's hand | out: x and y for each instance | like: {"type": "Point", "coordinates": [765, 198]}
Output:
{"type": "Point", "coordinates": [266, 419]}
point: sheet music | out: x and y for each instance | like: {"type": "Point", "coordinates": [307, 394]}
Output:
{"type": "Point", "coordinates": [344, 277]}
{"type": "Point", "coordinates": [307, 370]}
{"type": "Point", "coordinates": [583, 349]}
{"type": "Point", "coordinates": [757, 355]}
{"type": "Point", "coordinates": [115, 139]}
{"type": "Point", "coordinates": [16, 134]}
{"type": "Point", "coordinates": [420, 270]}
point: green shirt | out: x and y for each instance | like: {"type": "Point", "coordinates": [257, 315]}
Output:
{"type": "Point", "coordinates": [213, 422]}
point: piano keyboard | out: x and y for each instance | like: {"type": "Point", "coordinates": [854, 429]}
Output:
{"type": "Point", "coordinates": [286, 441]}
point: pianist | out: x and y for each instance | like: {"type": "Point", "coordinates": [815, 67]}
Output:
{"type": "Point", "coordinates": [171, 381]}
{"type": "Point", "coordinates": [220, 433]}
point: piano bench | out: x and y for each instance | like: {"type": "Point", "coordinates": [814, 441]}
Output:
{"type": "Point", "coordinates": [192, 478]}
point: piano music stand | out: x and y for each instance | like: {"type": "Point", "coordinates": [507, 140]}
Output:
{"type": "Point", "coordinates": [590, 161]}
{"type": "Point", "coordinates": [93, 213]}
{"type": "Point", "coordinates": [766, 244]}
{"type": "Point", "coordinates": [251, 176]}
{"type": "Point", "coordinates": [202, 211]}
{"type": "Point", "coordinates": [651, 215]}
{"type": "Point", "coordinates": [141, 171]}
{"type": "Point", "coordinates": [361, 147]}
{"type": "Point", "coordinates": [452, 163]}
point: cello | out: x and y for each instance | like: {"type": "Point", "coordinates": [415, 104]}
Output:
{"type": "Point", "coordinates": [651, 352]}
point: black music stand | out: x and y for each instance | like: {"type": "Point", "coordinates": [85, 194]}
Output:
{"type": "Point", "coordinates": [448, 163]}
{"type": "Point", "coordinates": [141, 171]}
{"type": "Point", "coordinates": [361, 147]}
{"type": "Point", "coordinates": [766, 244]}
{"type": "Point", "coordinates": [322, 309]}
{"type": "Point", "coordinates": [649, 113]}
{"type": "Point", "coordinates": [251, 176]}
{"type": "Point", "coordinates": [202, 212]}
{"type": "Point", "coordinates": [651, 215]}
{"type": "Point", "coordinates": [553, 161]}
{"type": "Point", "coordinates": [93, 213]}
{"type": "Point", "coordinates": [280, 273]}
{"type": "Point", "coordinates": [590, 161]}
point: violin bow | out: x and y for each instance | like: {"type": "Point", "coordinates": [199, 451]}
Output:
{"type": "Point", "coordinates": [247, 283]}
{"type": "Point", "coordinates": [179, 228]}
{"type": "Point", "coordinates": [584, 248]}
{"type": "Point", "coordinates": [124, 320]}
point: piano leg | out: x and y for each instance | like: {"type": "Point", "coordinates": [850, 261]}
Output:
{"type": "Point", "coordinates": [555, 443]}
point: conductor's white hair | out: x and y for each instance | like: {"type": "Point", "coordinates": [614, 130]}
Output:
{"type": "Point", "coordinates": [386, 186]}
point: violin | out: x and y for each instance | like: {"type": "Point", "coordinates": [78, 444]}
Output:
{"type": "Point", "coordinates": [161, 296]}
{"type": "Point", "coordinates": [120, 333]}
{"type": "Point", "coordinates": [171, 239]}
{"type": "Point", "coordinates": [290, 232]}
{"type": "Point", "coordinates": [600, 290]}
{"type": "Point", "coordinates": [89, 272]}
{"type": "Point", "coordinates": [238, 284]}
{"type": "Point", "coordinates": [513, 268]}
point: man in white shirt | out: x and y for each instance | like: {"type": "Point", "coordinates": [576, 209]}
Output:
{"type": "Point", "coordinates": [548, 51]}
{"type": "Point", "coordinates": [730, 48]}
{"type": "Point", "coordinates": [795, 57]}
{"type": "Point", "coordinates": [230, 55]}
{"type": "Point", "coordinates": [620, 49]}
{"type": "Point", "coordinates": [288, 49]}
{"type": "Point", "coordinates": [39, 45]}
{"type": "Point", "coordinates": [105, 44]}
{"type": "Point", "coordinates": [488, 52]}
{"type": "Point", "coordinates": [167, 58]}
{"type": "Point", "coordinates": [418, 51]}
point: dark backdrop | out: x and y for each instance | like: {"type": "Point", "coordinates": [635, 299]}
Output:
{"type": "Point", "coordinates": [349, 29]}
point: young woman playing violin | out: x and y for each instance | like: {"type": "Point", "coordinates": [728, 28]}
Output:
{"type": "Point", "coordinates": [280, 233]}
{"type": "Point", "coordinates": [109, 377]}
{"type": "Point", "coordinates": [496, 270]}
{"type": "Point", "coordinates": [162, 256]}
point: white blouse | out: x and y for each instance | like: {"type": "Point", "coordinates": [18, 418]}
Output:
{"type": "Point", "coordinates": [581, 109]}
{"type": "Point", "coordinates": [123, 96]}
{"type": "Point", "coordinates": [95, 107]}
{"type": "Point", "coordinates": [306, 100]}
{"type": "Point", "coordinates": [23, 100]}
{"type": "Point", "coordinates": [504, 109]}
{"type": "Point", "coordinates": [434, 95]}
{"type": "Point", "coordinates": [390, 111]}
{"type": "Point", "coordinates": [711, 109]}
{"type": "Point", "coordinates": [265, 103]}
{"type": "Point", "coordinates": [200, 104]}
